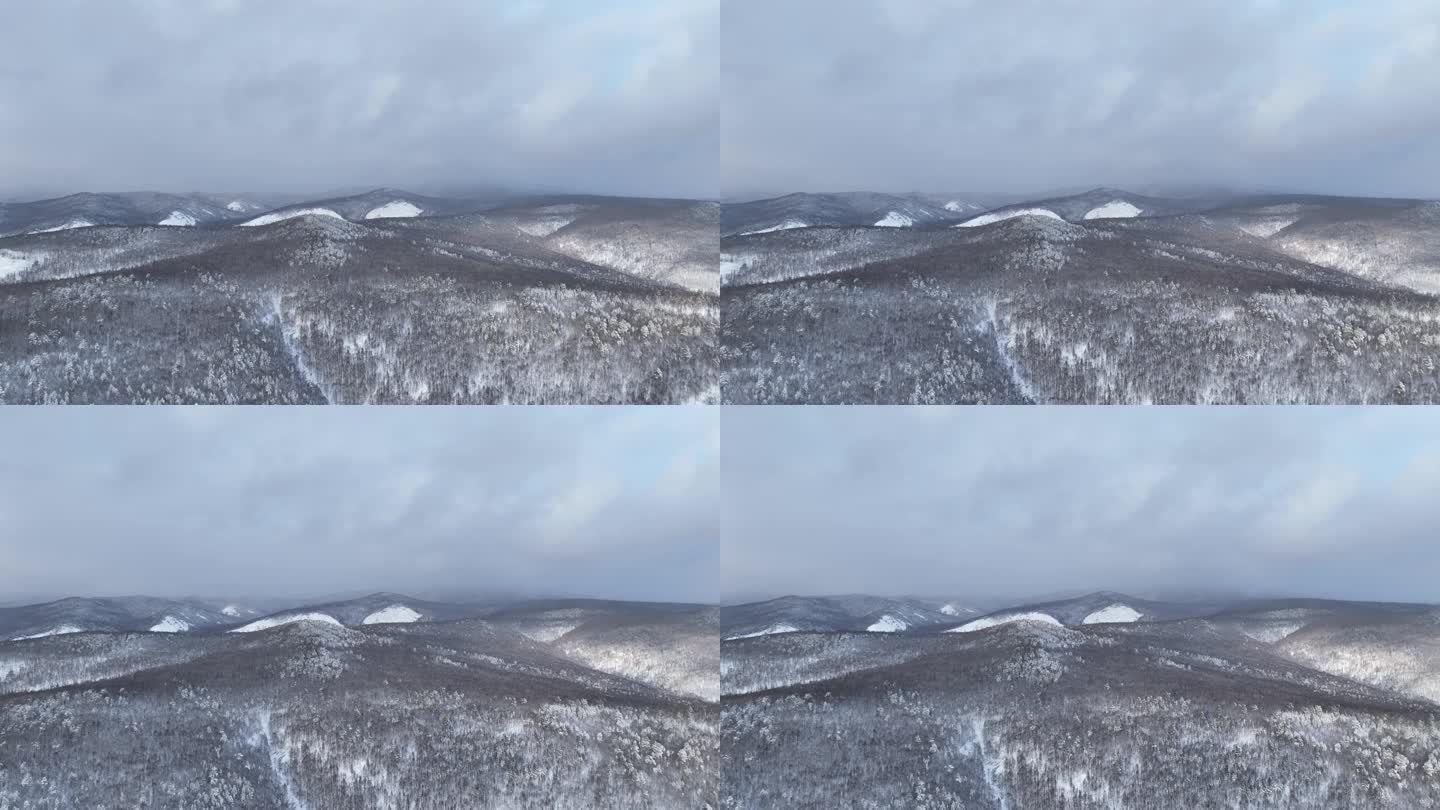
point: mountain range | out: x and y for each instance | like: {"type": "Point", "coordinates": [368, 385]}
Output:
{"type": "Point", "coordinates": [1100, 297]}
{"type": "Point", "coordinates": [1099, 701]}
{"type": "Point", "coordinates": [374, 702]}
{"type": "Point", "coordinates": [383, 297]}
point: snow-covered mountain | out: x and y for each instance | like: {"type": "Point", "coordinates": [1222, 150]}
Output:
{"type": "Point", "coordinates": [1046, 301]}
{"type": "Point", "coordinates": [1039, 712]}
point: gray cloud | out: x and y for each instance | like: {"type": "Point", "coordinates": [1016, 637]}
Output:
{"type": "Point", "coordinates": [212, 95]}
{"type": "Point", "coordinates": [1036, 94]}
{"type": "Point", "coordinates": [1010, 503]}
{"type": "Point", "coordinates": [615, 502]}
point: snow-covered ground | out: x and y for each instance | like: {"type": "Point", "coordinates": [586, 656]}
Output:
{"type": "Point", "coordinates": [74, 223]}
{"type": "Point", "coordinates": [170, 624]}
{"type": "Point", "coordinates": [13, 263]}
{"type": "Point", "coordinates": [784, 226]}
{"type": "Point", "coordinates": [397, 209]}
{"type": "Point", "coordinates": [994, 621]}
{"type": "Point", "coordinates": [1113, 614]}
{"type": "Point", "coordinates": [281, 216]}
{"type": "Point", "coordinates": [178, 218]}
{"type": "Point", "coordinates": [771, 630]}
{"type": "Point", "coordinates": [895, 219]}
{"type": "Point", "coordinates": [1000, 216]}
{"type": "Point", "coordinates": [232, 610]}
{"type": "Point", "coordinates": [887, 624]}
{"type": "Point", "coordinates": [59, 630]}
{"type": "Point", "coordinates": [394, 614]}
{"type": "Point", "coordinates": [275, 621]}
{"type": "Point", "coordinates": [957, 206]}
{"type": "Point", "coordinates": [1115, 209]}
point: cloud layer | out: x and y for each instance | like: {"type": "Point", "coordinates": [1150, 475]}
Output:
{"type": "Point", "coordinates": [1011, 503]}
{"type": "Point", "coordinates": [297, 502]}
{"type": "Point", "coordinates": [222, 95]}
{"type": "Point", "coordinates": [947, 95]}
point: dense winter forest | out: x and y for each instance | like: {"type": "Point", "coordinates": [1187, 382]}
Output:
{"type": "Point", "coordinates": [385, 297]}
{"type": "Point", "coordinates": [380, 702]}
{"type": "Point", "coordinates": [1096, 703]}
{"type": "Point", "coordinates": [1106, 297]}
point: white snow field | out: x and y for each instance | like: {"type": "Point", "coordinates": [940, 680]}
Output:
{"type": "Point", "coordinates": [178, 218]}
{"type": "Point", "coordinates": [1113, 614]}
{"type": "Point", "coordinates": [1000, 216]}
{"type": "Point", "coordinates": [74, 223]}
{"type": "Point", "coordinates": [887, 624]}
{"type": "Point", "coordinates": [397, 209]}
{"type": "Point", "coordinates": [784, 226]}
{"type": "Point", "coordinates": [957, 206]}
{"type": "Point", "coordinates": [771, 630]}
{"type": "Point", "coordinates": [13, 262]}
{"type": "Point", "coordinates": [995, 621]}
{"type": "Point", "coordinates": [394, 614]}
{"type": "Point", "coordinates": [60, 630]}
{"type": "Point", "coordinates": [281, 216]}
{"type": "Point", "coordinates": [275, 621]}
{"type": "Point", "coordinates": [231, 610]}
{"type": "Point", "coordinates": [170, 624]}
{"type": "Point", "coordinates": [1115, 209]}
{"type": "Point", "coordinates": [895, 219]}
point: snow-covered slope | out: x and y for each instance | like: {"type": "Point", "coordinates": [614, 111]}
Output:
{"type": "Point", "coordinates": [1000, 216]}
{"type": "Point", "coordinates": [399, 209]}
{"type": "Point", "coordinates": [1113, 614]}
{"type": "Point", "coordinates": [993, 621]}
{"type": "Point", "coordinates": [281, 216]}
{"type": "Point", "coordinates": [769, 631]}
{"type": "Point", "coordinates": [895, 219]}
{"type": "Point", "coordinates": [178, 218]}
{"type": "Point", "coordinates": [74, 223]}
{"type": "Point", "coordinates": [13, 262]}
{"type": "Point", "coordinates": [1115, 209]}
{"type": "Point", "coordinates": [170, 624]}
{"type": "Point", "coordinates": [784, 226]}
{"type": "Point", "coordinates": [394, 614]}
{"type": "Point", "coordinates": [887, 624]}
{"type": "Point", "coordinates": [59, 630]}
{"type": "Point", "coordinates": [275, 621]}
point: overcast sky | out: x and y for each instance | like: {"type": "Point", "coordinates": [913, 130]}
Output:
{"type": "Point", "coordinates": [607, 502]}
{"type": "Point", "coordinates": [1025, 95]}
{"type": "Point", "coordinates": [1016, 502]}
{"type": "Point", "coordinates": [307, 95]}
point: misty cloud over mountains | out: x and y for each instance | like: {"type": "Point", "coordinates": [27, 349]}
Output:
{"type": "Point", "coordinates": [226, 96]}
{"type": "Point", "coordinates": [286, 501]}
{"type": "Point", "coordinates": [1006, 502]}
{"type": "Point", "coordinates": [1034, 95]}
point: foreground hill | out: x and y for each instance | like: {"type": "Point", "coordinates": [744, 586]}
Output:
{"type": "Point", "coordinates": [1215, 711]}
{"type": "Point", "coordinates": [314, 713]}
{"type": "Point", "coordinates": [1254, 302]}
{"type": "Point", "coordinates": [314, 307]}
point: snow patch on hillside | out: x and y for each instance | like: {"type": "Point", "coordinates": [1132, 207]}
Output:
{"type": "Point", "coordinates": [1271, 633]}
{"type": "Point", "coordinates": [950, 610]}
{"type": "Point", "coordinates": [395, 614]}
{"type": "Point", "coordinates": [281, 216]}
{"type": "Point", "coordinates": [170, 624]}
{"type": "Point", "coordinates": [1113, 614]}
{"type": "Point", "coordinates": [232, 610]}
{"type": "Point", "coordinates": [59, 630]}
{"type": "Point", "coordinates": [887, 624]}
{"type": "Point", "coordinates": [958, 207]}
{"type": "Point", "coordinates": [397, 209]}
{"type": "Point", "coordinates": [74, 223]}
{"type": "Point", "coordinates": [771, 630]}
{"type": "Point", "coordinates": [13, 262]}
{"type": "Point", "coordinates": [994, 621]}
{"type": "Point", "coordinates": [275, 621]}
{"type": "Point", "coordinates": [178, 218]}
{"type": "Point", "coordinates": [1115, 209]}
{"type": "Point", "coordinates": [895, 219]}
{"type": "Point", "coordinates": [1000, 216]}
{"type": "Point", "coordinates": [784, 226]}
